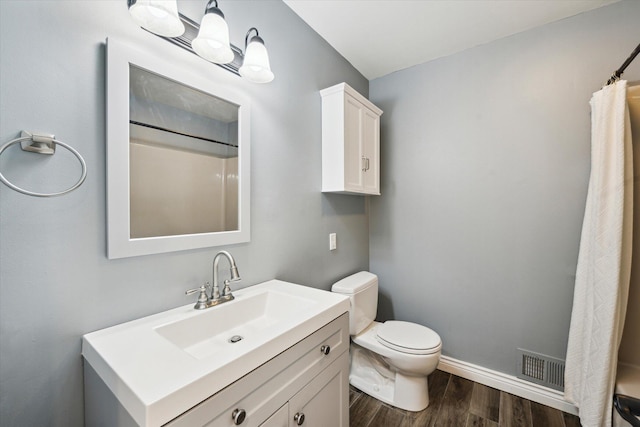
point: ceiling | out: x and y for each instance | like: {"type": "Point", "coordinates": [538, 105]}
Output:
{"type": "Point", "coordinates": [379, 37]}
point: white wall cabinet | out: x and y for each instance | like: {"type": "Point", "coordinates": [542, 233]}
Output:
{"type": "Point", "coordinates": [350, 142]}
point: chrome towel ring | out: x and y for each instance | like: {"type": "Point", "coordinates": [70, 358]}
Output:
{"type": "Point", "coordinates": [42, 144]}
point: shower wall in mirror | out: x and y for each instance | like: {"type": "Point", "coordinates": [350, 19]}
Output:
{"type": "Point", "coordinates": [178, 157]}
{"type": "Point", "coordinates": [183, 147]}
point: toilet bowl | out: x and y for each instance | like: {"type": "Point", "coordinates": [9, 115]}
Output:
{"type": "Point", "coordinates": [390, 361]}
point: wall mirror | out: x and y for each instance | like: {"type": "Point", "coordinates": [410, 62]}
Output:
{"type": "Point", "coordinates": [177, 157]}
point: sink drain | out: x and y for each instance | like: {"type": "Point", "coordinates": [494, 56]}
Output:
{"type": "Point", "coordinates": [234, 339]}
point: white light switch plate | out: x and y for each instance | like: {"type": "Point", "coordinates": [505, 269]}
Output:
{"type": "Point", "coordinates": [332, 242]}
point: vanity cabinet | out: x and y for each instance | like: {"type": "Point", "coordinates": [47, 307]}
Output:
{"type": "Point", "coordinates": [307, 384]}
{"type": "Point", "coordinates": [319, 403]}
{"type": "Point", "coordinates": [277, 350]}
{"type": "Point", "coordinates": [279, 419]}
{"type": "Point", "coordinates": [350, 142]}
{"type": "Point", "coordinates": [321, 400]}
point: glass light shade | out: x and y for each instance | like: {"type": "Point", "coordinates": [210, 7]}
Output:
{"type": "Point", "coordinates": [255, 66]}
{"type": "Point", "coordinates": [212, 42]}
{"type": "Point", "coordinates": [158, 16]}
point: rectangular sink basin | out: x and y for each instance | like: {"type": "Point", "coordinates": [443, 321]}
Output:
{"type": "Point", "coordinates": [230, 326]}
{"type": "Point", "coordinates": [162, 365]}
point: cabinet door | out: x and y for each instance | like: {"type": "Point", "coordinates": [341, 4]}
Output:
{"type": "Point", "coordinates": [324, 401]}
{"type": "Point", "coordinates": [279, 419]}
{"type": "Point", "coordinates": [353, 158]}
{"type": "Point", "coordinates": [371, 151]}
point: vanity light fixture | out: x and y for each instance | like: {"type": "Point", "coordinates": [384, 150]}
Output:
{"type": "Point", "coordinates": [209, 40]}
{"type": "Point", "coordinates": [255, 66]}
{"type": "Point", "coordinates": [212, 42]}
{"type": "Point", "coordinates": [158, 16]}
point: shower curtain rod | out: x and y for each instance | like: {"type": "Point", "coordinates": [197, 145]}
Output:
{"type": "Point", "coordinates": [133, 122]}
{"type": "Point", "coordinates": [616, 75]}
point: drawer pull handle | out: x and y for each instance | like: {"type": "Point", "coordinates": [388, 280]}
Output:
{"type": "Point", "coordinates": [299, 418]}
{"type": "Point", "coordinates": [325, 349]}
{"type": "Point", "coordinates": [238, 416]}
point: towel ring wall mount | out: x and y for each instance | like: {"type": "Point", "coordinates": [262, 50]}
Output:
{"type": "Point", "coordinates": [42, 144]}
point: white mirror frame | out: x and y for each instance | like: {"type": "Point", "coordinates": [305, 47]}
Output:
{"type": "Point", "coordinates": [119, 243]}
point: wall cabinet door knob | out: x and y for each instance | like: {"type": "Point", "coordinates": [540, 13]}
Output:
{"type": "Point", "coordinates": [325, 349]}
{"type": "Point", "coordinates": [238, 416]}
{"type": "Point", "coordinates": [299, 418]}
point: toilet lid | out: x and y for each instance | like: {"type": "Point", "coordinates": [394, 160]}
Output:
{"type": "Point", "coordinates": [408, 337]}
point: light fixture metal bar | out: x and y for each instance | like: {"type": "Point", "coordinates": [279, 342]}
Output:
{"type": "Point", "coordinates": [191, 32]}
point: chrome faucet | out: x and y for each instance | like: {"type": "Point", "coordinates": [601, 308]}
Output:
{"type": "Point", "coordinates": [204, 301]}
{"type": "Point", "coordinates": [216, 298]}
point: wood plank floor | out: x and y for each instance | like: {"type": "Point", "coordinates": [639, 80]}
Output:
{"type": "Point", "coordinates": [457, 402]}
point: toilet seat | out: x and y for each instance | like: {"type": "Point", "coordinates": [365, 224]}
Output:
{"type": "Point", "coordinates": [407, 337]}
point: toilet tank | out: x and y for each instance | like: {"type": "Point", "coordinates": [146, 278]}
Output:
{"type": "Point", "coordinates": [362, 289]}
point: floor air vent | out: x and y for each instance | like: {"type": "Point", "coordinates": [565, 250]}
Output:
{"type": "Point", "coordinates": [540, 369]}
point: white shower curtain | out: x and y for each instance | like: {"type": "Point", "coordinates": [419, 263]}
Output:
{"type": "Point", "coordinates": [604, 261]}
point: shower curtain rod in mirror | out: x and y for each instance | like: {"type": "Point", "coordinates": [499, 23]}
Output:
{"type": "Point", "coordinates": [616, 75]}
{"type": "Point", "coordinates": [133, 122]}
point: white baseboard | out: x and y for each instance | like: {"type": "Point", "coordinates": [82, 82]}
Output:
{"type": "Point", "coordinates": [507, 383]}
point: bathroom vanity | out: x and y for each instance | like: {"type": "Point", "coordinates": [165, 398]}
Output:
{"type": "Point", "coordinates": [186, 367]}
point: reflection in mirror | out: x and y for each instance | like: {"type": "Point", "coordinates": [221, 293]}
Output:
{"type": "Point", "coordinates": [183, 148]}
{"type": "Point", "coordinates": [178, 155]}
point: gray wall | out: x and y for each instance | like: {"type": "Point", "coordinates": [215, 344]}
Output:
{"type": "Point", "coordinates": [485, 164]}
{"type": "Point", "coordinates": [55, 280]}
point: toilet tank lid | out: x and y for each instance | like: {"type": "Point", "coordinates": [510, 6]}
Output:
{"type": "Point", "coordinates": [355, 283]}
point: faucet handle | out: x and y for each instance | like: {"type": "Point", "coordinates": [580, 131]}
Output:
{"type": "Point", "coordinates": [226, 292]}
{"type": "Point", "coordinates": [203, 298]}
{"type": "Point", "coordinates": [202, 288]}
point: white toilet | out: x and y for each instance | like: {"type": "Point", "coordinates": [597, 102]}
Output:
{"type": "Point", "coordinates": [389, 361]}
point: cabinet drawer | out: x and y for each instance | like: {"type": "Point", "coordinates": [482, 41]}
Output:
{"type": "Point", "coordinates": [263, 391]}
